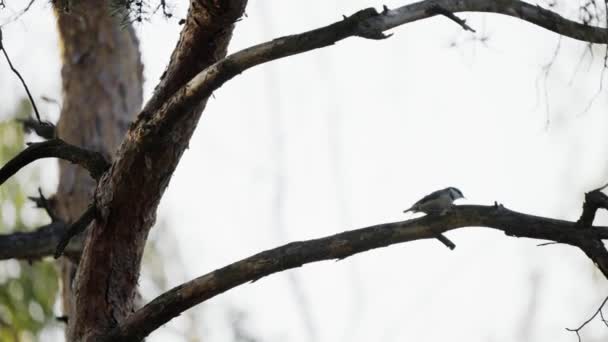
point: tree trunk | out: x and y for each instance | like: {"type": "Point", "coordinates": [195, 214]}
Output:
{"type": "Point", "coordinates": [102, 92]}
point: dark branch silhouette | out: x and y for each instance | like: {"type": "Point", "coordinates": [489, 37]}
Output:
{"type": "Point", "coordinates": [597, 312]}
{"type": "Point", "coordinates": [170, 304]}
{"type": "Point", "coordinates": [94, 162]}
{"type": "Point", "coordinates": [16, 72]}
{"type": "Point", "coordinates": [33, 245]}
{"type": "Point", "coordinates": [43, 129]}
{"type": "Point", "coordinates": [76, 228]}
{"type": "Point", "coordinates": [367, 23]}
{"type": "Point", "coordinates": [47, 204]}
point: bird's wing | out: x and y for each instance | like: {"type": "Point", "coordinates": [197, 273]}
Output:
{"type": "Point", "coordinates": [430, 197]}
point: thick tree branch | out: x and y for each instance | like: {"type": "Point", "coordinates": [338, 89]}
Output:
{"type": "Point", "coordinates": [170, 304]}
{"type": "Point", "coordinates": [36, 244]}
{"type": "Point", "coordinates": [128, 194]}
{"type": "Point", "coordinates": [366, 23]}
{"type": "Point", "coordinates": [55, 148]}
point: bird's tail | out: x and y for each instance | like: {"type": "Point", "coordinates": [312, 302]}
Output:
{"type": "Point", "coordinates": [412, 209]}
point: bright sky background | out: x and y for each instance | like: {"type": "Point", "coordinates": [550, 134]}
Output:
{"type": "Point", "coordinates": [349, 136]}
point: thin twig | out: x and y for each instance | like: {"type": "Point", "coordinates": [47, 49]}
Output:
{"type": "Point", "coordinates": [16, 72]}
{"type": "Point", "coordinates": [447, 242]}
{"type": "Point", "coordinates": [547, 244]}
{"type": "Point", "coordinates": [436, 9]}
{"type": "Point", "coordinates": [43, 129]}
{"type": "Point", "coordinates": [597, 312]}
{"type": "Point", "coordinates": [76, 228]}
{"type": "Point", "coordinates": [601, 187]}
{"type": "Point", "coordinates": [43, 202]}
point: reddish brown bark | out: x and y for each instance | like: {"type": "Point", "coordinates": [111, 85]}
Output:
{"type": "Point", "coordinates": [102, 87]}
{"type": "Point", "coordinates": [128, 194]}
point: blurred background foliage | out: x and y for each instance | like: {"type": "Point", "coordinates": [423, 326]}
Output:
{"type": "Point", "coordinates": [28, 289]}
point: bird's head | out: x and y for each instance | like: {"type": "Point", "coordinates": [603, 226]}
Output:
{"type": "Point", "coordinates": [455, 193]}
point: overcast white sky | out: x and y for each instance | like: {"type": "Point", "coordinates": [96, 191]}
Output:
{"type": "Point", "coordinates": [351, 135]}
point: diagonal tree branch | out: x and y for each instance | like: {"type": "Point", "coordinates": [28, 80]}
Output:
{"type": "Point", "coordinates": [16, 72]}
{"type": "Point", "coordinates": [170, 304]}
{"type": "Point", "coordinates": [367, 23]}
{"type": "Point", "coordinates": [94, 162]}
{"type": "Point", "coordinates": [127, 195]}
{"type": "Point", "coordinates": [76, 228]}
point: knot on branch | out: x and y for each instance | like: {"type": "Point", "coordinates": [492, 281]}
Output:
{"type": "Point", "coordinates": [43, 129]}
{"type": "Point", "coordinates": [594, 200]}
{"type": "Point", "coordinates": [364, 26]}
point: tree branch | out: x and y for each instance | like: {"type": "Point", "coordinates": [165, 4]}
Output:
{"type": "Point", "coordinates": [367, 23]}
{"type": "Point", "coordinates": [128, 194]}
{"type": "Point", "coordinates": [597, 312]}
{"type": "Point", "coordinates": [36, 244]}
{"type": "Point", "coordinates": [16, 72]}
{"type": "Point", "coordinates": [94, 162]}
{"type": "Point", "coordinates": [43, 129]}
{"type": "Point", "coordinates": [76, 228]}
{"type": "Point", "coordinates": [170, 304]}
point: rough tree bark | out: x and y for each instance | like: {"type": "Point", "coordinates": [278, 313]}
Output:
{"type": "Point", "coordinates": [131, 199]}
{"type": "Point", "coordinates": [102, 92]}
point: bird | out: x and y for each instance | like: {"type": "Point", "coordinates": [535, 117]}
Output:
{"type": "Point", "coordinates": [437, 202]}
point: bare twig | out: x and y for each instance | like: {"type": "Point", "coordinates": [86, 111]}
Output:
{"type": "Point", "coordinates": [547, 244]}
{"type": "Point", "coordinates": [44, 129]}
{"type": "Point", "coordinates": [16, 72]}
{"type": "Point", "coordinates": [94, 162]}
{"type": "Point", "coordinates": [594, 200]}
{"type": "Point", "coordinates": [62, 319]}
{"type": "Point", "coordinates": [339, 246]}
{"type": "Point", "coordinates": [76, 228]}
{"type": "Point", "coordinates": [447, 242]}
{"type": "Point", "coordinates": [601, 187]}
{"type": "Point", "coordinates": [597, 312]}
{"type": "Point", "coordinates": [437, 9]}
{"type": "Point", "coordinates": [43, 202]}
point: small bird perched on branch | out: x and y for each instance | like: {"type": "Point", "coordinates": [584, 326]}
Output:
{"type": "Point", "coordinates": [438, 203]}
